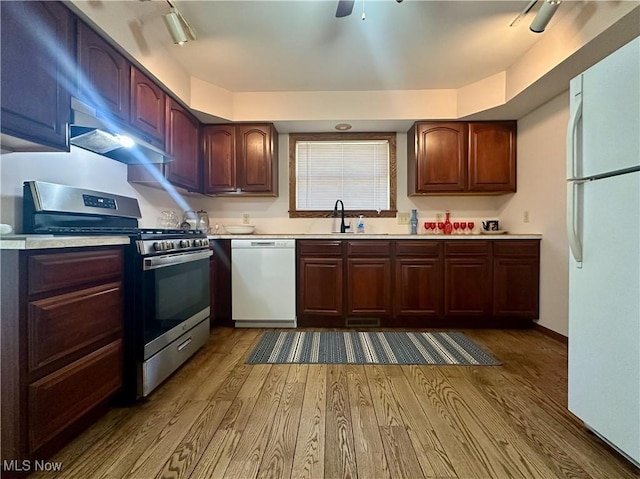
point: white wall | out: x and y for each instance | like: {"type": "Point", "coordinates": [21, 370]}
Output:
{"type": "Point", "coordinates": [542, 192]}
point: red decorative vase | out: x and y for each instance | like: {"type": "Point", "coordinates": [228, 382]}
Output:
{"type": "Point", "coordinates": [448, 227]}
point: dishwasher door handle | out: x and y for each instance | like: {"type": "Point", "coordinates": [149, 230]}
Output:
{"type": "Point", "coordinates": [262, 244]}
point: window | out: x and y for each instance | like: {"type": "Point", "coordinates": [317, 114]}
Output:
{"type": "Point", "coordinates": [357, 168]}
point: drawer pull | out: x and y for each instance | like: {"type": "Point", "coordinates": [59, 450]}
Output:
{"type": "Point", "coordinates": [184, 344]}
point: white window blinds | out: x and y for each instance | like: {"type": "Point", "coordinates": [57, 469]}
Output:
{"type": "Point", "coordinates": [355, 171]}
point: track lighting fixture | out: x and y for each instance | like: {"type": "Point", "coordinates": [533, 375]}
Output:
{"type": "Point", "coordinates": [544, 15]}
{"type": "Point", "coordinates": [180, 31]}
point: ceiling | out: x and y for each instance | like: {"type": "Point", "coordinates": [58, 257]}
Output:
{"type": "Point", "coordinates": [291, 46]}
{"type": "Point", "coordinates": [260, 46]}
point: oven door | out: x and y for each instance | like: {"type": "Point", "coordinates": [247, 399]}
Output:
{"type": "Point", "coordinates": [175, 297]}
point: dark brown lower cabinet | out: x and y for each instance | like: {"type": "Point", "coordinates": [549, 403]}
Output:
{"type": "Point", "coordinates": [220, 283]}
{"type": "Point", "coordinates": [418, 283]}
{"type": "Point", "coordinates": [516, 279]}
{"type": "Point", "coordinates": [61, 345]}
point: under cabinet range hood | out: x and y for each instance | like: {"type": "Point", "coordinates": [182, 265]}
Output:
{"type": "Point", "coordinates": [88, 130]}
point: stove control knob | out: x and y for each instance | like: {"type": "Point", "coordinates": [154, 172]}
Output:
{"type": "Point", "coordinates": [205, 242]}
{"type": "Point", "coordinates": [185, 243]}
{"type": "Point", "coordinates": [197, 242]}
{"type": "Point", "coordinates": [171, 245]}
{"type": "Point", "coordinates": [157, 246]}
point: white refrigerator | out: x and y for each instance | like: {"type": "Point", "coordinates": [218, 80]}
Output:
{"type": "Point", "coordinates": [603, 226]}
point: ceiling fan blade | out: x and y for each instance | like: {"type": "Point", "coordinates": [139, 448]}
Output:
{"type": "Point", "coordinates": [345, 7]}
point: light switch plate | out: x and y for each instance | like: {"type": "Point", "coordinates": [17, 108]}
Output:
{"type": "Point", "coordinates": [246, 219]}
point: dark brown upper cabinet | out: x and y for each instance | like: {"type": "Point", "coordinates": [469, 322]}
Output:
{"type": "Point", "coordinates": [240, 159]}
{"type": "Point", "coordinates": [36, 57]}
{"type": "Point", "coordinates": [147, 107]}
{"type": "Point", "coordinates": [461, 158]}
{"type": "Point", "coordinates": [182, 143]}
{"type": "Point", "coordinates": [103, 75]}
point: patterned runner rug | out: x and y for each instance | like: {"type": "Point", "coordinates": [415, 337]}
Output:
{"type": "Point", "coordinates": [335, 347]}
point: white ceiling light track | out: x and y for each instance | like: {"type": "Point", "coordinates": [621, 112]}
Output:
{"type": "Point", "coordinates": [542, 18]}
{"type": "Point", "coordinates": [178, 27]}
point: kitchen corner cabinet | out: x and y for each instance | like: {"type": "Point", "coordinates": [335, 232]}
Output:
{"type": "Point", "coordinates": [37, 44]}
{"type": "Point", "coordinates": [104, 74]}
{"type": "Point", "coordinates": [516, 279]}
{"type": "Point", "coordinates": [62, 316]}
{"type": "Point", "coordinates": [182, 142]}
{"type": "Point", "coordinates": [461, 158]}
{"type": "Point", "coordinates": [147, 108]}
{"type": "Point", "coordinates": [240, 159]}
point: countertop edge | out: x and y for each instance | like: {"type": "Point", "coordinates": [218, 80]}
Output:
{"type": "Point", "coordinates": [31, 242]}
{"type": "Point", "coordinates": [355, 236]}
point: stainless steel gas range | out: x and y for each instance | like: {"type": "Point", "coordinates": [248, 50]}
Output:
{"type": "Point", "coordinates": [166, 280]}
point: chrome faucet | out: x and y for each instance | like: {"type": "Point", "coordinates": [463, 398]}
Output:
{"type": "Point", "coordinates": [343, 227]}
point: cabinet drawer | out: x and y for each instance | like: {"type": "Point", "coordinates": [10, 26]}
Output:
{"type": "Point", "coordinates": [418, 248]}
{"type": "Point", "coordinates": [49, 272]}
{"type": "Point", "coordinates": [516, 248]}
{"type": "Point", "coordinates": [57, 400]}
{"type": "Point", "coordinates": [61, 325]}
{"type": "Point", "coordinates": [455, 248]}
{"type": "Point", "coordinates": [320, 248]}
{"type": "Point", "coordinates": [369, 248]}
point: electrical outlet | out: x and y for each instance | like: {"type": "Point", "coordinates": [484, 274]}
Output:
{"type": "Point", "coordinates": [525, 216]}
{"type": "Point", "coordinates": [403, 218]}
{"type": "Point", "coordinates": [246, 219]}
{"type": "Point", "coordinates": [438, 217]}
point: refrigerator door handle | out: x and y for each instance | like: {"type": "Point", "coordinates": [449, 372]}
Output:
{"type": "Point", "coordinates": [572, 133]}
{"type": "Point", "coordinates": [575, 245]}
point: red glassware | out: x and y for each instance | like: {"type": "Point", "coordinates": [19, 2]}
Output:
{"type": "Point", "coordinates": [463, 226]}
{"type": "Point", "coordinates": [448, 227]}
{"type": "Point", "coordinates": [471, 225]}
{"type": "Point", "coordinates": [456, 226]}
{"type": "Point", "coordinates": [441, 226]}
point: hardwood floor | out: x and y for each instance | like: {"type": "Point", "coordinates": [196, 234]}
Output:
{"type": "Point", "coordinates": [220, 418]}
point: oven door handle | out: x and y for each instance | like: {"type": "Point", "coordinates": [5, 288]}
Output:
{"type": "Point", "coordinates": [174, 259]}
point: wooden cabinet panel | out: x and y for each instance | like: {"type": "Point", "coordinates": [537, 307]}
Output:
{"type": "Point", "coordinates": [49, 272]}
{"type": "Point", "coordinates": [368, 248]}
{"type": "Point", "coordinates": [256, 162]}
{"type": "Point", "coordinates": [59, 326]}
{"type": "Point", "coordinates": [418, 287]}
{"type": "Point", "coordinates": [220, 283]}
{"type": "Point", "coordinates": [418, 248]}
{"type": "Point", "coordinates": [182, 143]}
{"type": "Point", "coordinates": [437, 157]}
{"type": "Point", "coordinates": [320, 286]}
{"type": "Point", "coordinates": [320, 248]}
{"type": "Point", "coordinates": [462, 247]}
{"type": "Point", "coordinates": [57, 400]}
{"type": "Point", "coordinates": [240, 159]}
{"type": "Point", "coordinates": [492, 156]}
{"type": "Point", "coordinates": [461, 158]}
{"type": "Point", "coordinates": [516, 279]}
{"type": "Point", "coordinates": [369, 287]}
{"type": "Point", "coordinates": [147, 107]}
{"type": "Point", "coordinates": [468, 289]}
{"type": "Point", "coordinates": [103, 74]}
{"type": "Point", "coordinates": [219, 158]}
{"type": "Point", "coordinates": [37, 39]}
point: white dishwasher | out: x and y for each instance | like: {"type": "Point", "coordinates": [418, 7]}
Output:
{"type": "Point", "coordinates": [263, 283]}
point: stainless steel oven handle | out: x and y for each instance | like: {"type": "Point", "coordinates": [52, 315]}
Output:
{"type": "Point", "coordinates": [173, 259]}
